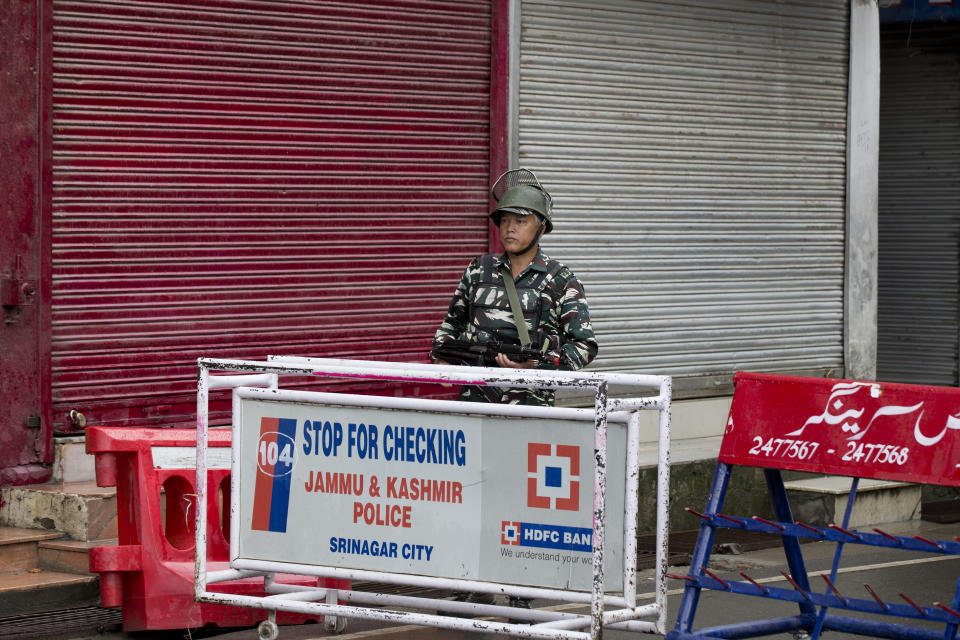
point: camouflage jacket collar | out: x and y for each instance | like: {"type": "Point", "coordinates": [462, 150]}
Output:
{"type": "Point", "coordinates": [539, 262]}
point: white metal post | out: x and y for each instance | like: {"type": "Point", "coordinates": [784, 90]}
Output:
{"type": "Point", "coordinates": [631, 508]}
{"type": "Point", "coordinates": [200, 517]}
{"type": "Point", "coordinates": [663, 502]}
{"type": "Point", "coordinates": [599, 509]}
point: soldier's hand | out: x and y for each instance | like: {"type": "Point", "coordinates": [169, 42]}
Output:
{"type": "Point", "coordinates": [506, 362]}
{"type": "Point", "coordinates": [439, 361]}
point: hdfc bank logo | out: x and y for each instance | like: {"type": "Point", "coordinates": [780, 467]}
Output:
{"type": "Point", "coordinates": [553, 476]}
{"type": "Point", "coordinates": [509, 532]}
{"type": "Point", "coordinates": [545, 536]}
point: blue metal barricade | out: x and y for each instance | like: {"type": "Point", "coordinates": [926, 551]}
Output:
{"type": "Point", "coordinates": [858, 429]}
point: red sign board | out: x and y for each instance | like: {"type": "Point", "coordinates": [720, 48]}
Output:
{"type": "Point", "coordinates": [844, 427]}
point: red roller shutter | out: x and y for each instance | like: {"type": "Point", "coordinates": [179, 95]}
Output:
{"type": "Point", "coordinates": [244, 178]}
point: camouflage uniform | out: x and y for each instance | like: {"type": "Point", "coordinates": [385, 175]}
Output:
{"type": "Point", "coordinates": [554, 307]}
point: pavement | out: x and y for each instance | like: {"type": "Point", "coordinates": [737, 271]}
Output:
{"type": "Point", "coordinates": [924, 577]}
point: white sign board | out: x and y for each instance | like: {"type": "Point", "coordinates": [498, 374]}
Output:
{"type": "Point", "coordinates": [433, 493]}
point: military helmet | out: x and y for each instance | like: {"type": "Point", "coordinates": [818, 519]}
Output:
{"type": "Point", "coordinates": [518, 191]}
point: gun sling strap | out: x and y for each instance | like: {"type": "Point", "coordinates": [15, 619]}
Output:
{"type": "Point", "coordinates": [511, 288]}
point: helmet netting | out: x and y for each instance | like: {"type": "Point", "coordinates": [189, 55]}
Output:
{"type": "Point", "coordinates": [517, 177]}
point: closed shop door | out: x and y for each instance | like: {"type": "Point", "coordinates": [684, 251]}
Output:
{"type": "Point", "coordinates": [25, 429]}
{"type": "Point", "coordinates": [697, 155]}
{"type": "Point", "coordinates": [238, 178]}
{"type": "Point", "coordinates": [919, 204]}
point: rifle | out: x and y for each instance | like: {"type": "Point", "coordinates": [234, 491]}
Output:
{"type": "Point", "coordinates": [484, 354]}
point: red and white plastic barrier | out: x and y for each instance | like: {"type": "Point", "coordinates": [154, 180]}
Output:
{"type": "Point", "coordinates": [150, 572]}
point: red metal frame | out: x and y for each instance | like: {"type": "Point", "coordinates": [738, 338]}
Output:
{"type": "Point", "coordinates": [499, 101]}
{"type": "Point", "coordinates": [45, 65]}
{"type": "Point", "coordinates": [26, 426]}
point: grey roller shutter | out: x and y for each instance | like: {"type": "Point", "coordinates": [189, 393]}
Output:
{"type": "Point", "coordinates": [919, 204]}
{"type": "Point", "coordinates": [696, 152]}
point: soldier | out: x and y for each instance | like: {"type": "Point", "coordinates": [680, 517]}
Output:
{"type": "Point", "coordinates": [555, 310]}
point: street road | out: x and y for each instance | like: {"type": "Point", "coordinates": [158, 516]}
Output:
{"type": "Point", "coordinates": [923, 577]}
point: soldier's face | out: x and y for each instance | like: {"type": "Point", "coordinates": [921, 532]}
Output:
{"type": "Point", "coordinates": [516, 231]}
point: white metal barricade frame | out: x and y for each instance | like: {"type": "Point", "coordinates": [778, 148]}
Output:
{"type": "Point", "coordinates": [626, 614]}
